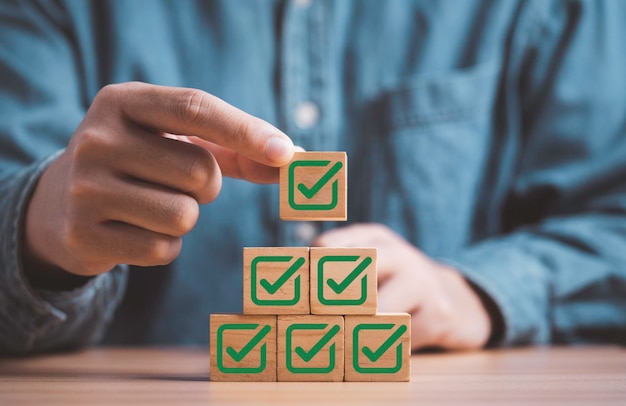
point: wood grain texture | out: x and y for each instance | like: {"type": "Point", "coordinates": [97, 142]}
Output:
{"type": "Point", "coordinates": [378, 348]}
{"type": "Point", "coordinates": [335, 286]}
{"type": "Point", "coordinates": [243, 348]}
{"type": "Point", "coordinates": [276, 280]}
{"type": "Point", "coordinates": [310, 348]}
{"type": "Point", "coordinates": [313, 186]}
{"type": "Point", "coordinates": [164, 376]}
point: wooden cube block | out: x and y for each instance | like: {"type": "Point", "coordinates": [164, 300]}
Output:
{"type": "Point", "coordinates": [243, 348]}
{"type": "Point", "coordinates": [378, 348]}
{"type": "Point", "coordinates": [343, 281]}
{"type": "Point", "coordinates": [310, 348]}
{"type": "Point", "coordinates": [313, 186]}
{"type": "Point", "coordinates": [276, 280]}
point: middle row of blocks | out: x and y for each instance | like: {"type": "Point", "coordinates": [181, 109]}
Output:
{"type": "Point", "coordinates": [303, 280]}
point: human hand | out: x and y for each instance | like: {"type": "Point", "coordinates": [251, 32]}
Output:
{"type": "Point", "coordinates": [125, 189]}
{"type": "Point", "coordinates": [445, 310]}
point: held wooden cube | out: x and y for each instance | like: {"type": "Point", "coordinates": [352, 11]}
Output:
{"type": "Point", "coordinates": [313, 186]}
{"type": "Point", "coordinates": [343, 281]}
{"type": "Point", "coordinates": [310, 348]}
{"type": "Point", "coordinates": [243, 348]}
{"type": "Point", "coordinates": [276, 280]}
{"type": "Point", "coordinates": [378, 348]}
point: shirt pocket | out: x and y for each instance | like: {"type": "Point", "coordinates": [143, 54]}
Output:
{"type": "Point", "coordinates": [431, 136]}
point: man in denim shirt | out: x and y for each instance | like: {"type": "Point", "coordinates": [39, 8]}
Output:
{"type": "Point", "coordinates": [487, 146]}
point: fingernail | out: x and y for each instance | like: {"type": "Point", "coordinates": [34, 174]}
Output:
{"type": "Point", "coordinates": [279, 150]}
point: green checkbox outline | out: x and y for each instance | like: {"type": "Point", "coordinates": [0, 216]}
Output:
{"type": "Point", "coordinates": [254, 285]}
{"type": "Point", "coordinates": [356, 353]}
{"type": "Point", "coordinates": [258, 337]}
{"type": "Point", "coordinates": [320, 281]}
{"type": "Point", "coordinates": [291, 187]}
{"type": "Point", "coordinates": [289, 351]}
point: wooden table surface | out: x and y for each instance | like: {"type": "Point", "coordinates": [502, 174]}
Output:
{"type": "Point", "coordinates": [581, 375]}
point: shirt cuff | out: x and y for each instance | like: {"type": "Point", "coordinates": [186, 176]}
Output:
{"type": "Point", "coordinates": [515, 281]}
{"type": "Point", "coordinates": [27, 314]}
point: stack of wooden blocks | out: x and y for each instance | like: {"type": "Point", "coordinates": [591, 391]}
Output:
{"type": "Point", "coordinates": [310, 313]}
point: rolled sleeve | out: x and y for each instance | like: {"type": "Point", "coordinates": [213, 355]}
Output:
{"type": "Point", "coordinates": [34, 320]}
{"type": "Point", "coordinates": [563, 281]}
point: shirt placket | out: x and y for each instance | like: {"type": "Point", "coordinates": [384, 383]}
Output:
{"type": "Point", "coordinates": [304, 90]}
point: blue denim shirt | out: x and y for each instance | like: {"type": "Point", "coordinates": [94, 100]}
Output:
{"type": "Point", "coordinates": [490, 134]}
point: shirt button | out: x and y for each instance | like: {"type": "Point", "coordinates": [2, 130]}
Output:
{"type": "Point", "coordinates": [303, 3]}
{"type": "Point", "coordinates": [307, 115]}
{"type": "Point", "coordinates": [306, 232]}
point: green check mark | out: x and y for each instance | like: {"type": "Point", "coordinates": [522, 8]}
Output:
{"type": "Point", "coordinates": [340, 287]}
{"type": "Point", "coordinates": [343, 285]}
{"type": "Point", "coordinates": [238, 356]}
{"type": "Point", "coordinates": [375, 355]}
{"type": "Point", "coordinates": [310, 192]}
{"type": "Point", "coordinates": [272, 288]}
{"type": "Point", "coordinates": [308, 355]}
{"type": "Point", "coordinates": [241, 354]}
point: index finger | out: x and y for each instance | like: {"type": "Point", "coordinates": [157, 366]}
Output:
{"type": "Point", "coordinates": [188, 111]}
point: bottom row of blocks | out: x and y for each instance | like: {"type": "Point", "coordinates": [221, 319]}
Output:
{"type": "Point", "coordinates": [310, 348]}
